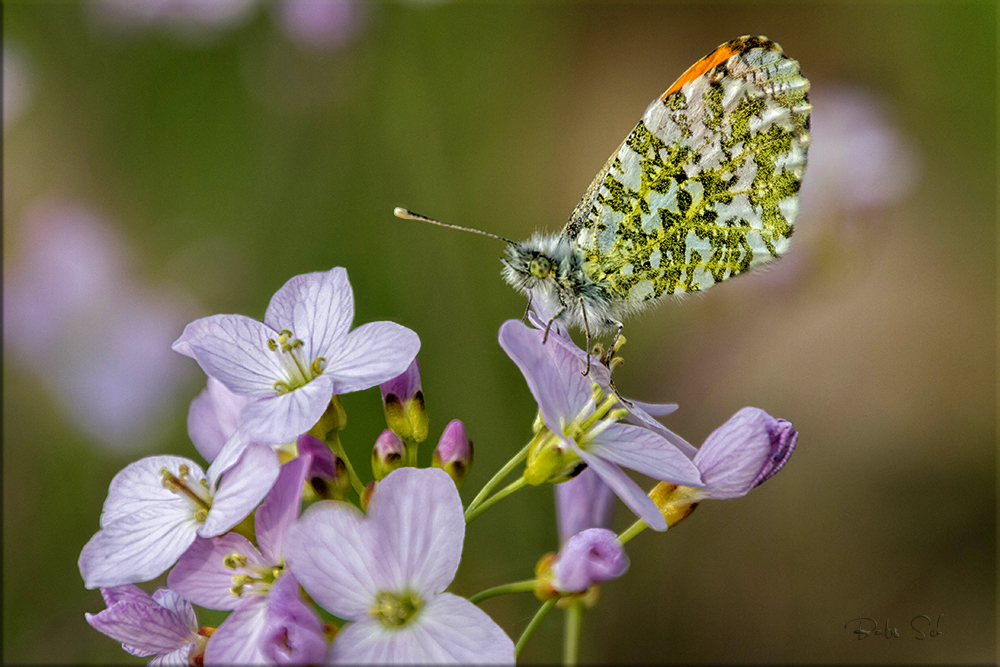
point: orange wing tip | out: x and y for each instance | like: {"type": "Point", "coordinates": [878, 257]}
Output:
{"type": "Point", "coordinates": [719, 56]}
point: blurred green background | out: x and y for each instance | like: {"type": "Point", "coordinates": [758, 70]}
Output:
{"type": "Point", "coordinates": [208, 160]}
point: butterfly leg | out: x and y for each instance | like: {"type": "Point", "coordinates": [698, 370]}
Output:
{"type": "Point", "coordinates": [524, 318]}
{"type": "Point", "coordinates": [586, 331]}
{"type": "Point", "coordinates": [562, 309]}
{"type": "Point", "coordinates": [614, 343]}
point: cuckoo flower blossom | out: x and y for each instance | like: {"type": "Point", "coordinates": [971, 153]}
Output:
{"type": "Point", "coordinates": [157, 506]}
{"type": "Point", "coordinates": [230, 573]}
{"type": "Point", "coordinates": [583, 502]}
{"type": "Point", "coordinates": [163, 625]}
{"type": "Point", "coordinates": [386, 573]}
{"type": "Point", "coordinates": [588, 427]}
{"type": "Point", "coordinates": [304, 352]}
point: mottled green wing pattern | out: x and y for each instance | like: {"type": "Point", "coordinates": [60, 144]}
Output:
{"type": "Point", "coordinates": [706, 185]}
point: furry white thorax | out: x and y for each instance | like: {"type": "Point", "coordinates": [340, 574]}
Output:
{"type": "Point", "coordinates": [567, 283]}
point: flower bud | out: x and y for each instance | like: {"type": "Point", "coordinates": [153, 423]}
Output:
{"type": "Point", "coordinates": [327, 476]}
{"type": "Point", "coordinates": [387, 455]}
{"type": "Point", "coordinates": [403, 401]}
{"type": "Point", "coordinates": [454, 452]}
{"type": "Point", "coordinates": [675, 502]}
{"type": "Point", "coordinates": [743, 453]}
{"type": "Point", "coordinates": [588, 558]}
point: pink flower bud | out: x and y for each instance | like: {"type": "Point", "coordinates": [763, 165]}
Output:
{"type": "Point", "coordinates": [454, 452]}
{"type": "Point", "coordinates": [387, 455]}
{"type": "Point", "coordinates": [403, 401]}
{"type": "Point", "coordinates": [589, 558]}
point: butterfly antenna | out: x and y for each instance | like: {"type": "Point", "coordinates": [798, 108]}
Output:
{"type": "Point", "coordinates": [410, 215]}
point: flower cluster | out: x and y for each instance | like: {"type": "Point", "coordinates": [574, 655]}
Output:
{"type": "Point", "coordinates": [312, 564]}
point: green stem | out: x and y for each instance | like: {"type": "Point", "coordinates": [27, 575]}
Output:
{"type": "Point", "coordinates": [571, 636]}
{"type": "Point", "coordinates": [632, 531]}
{"type": "Point", "coordinates": [472, 513]}
{"type": "Point", "coordinates": [516, 587]}
{"type": "Point", "coordinates": [533, 625]}
{"type": "Point", "coordinates": [497, 478]}
{"type": "Point", "coordinates": [338, 449]}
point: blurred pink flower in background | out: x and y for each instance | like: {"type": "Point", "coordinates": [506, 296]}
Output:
{"type": "Point", "coordinates": [321, 24]}
{"type": "Point", "coordinates": [76, 316]}
{"type": "Point", "coordinates": [859, 159]}
{"type": "Point", "coordinates": [16, 85]}
{"type": "Point", "coordinates": [313, 24]}
{"type": "Point", "coordinates": [190, 18]}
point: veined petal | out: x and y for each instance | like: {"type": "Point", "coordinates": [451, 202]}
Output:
{"type": "Point", "coordinates": [144, 625]}
{"type": "Point", "coordinates": [179, 658]}
{"type": "Point", "coordinates": [136, 547]}
{"type": "Point", "coordinates": [233, 349]}
{"type": "Point", "coordinates": [448, 630]}
{"type": "Point", "coordinates": [330, 550]}
{"type": "Point", "coordinates": [242, 487]}
{"type": "Point", "coordinates": [316, 307]}
{"type": "Point", "coordinates": [280, 508]}
{"type": "Point", "coordinates": [227, 457]}
{"type": "Point", "coordinates": [201, 575]}
{"type": "Point", "coordinates": [139, 486]}
{"type": "Point", "coordinates": [237, 640]}
{"type": "Point", "coordinates": [420, 526]}
{"type": "Point", "coordinates": [182, 608]}
{"type": "Point", "coordinates": [641, 415]}
{"type": "Point", "coordinates": [285, 417]}
{"type": "Point", "coordinates": [559, 392]}
{"type": "Point", "coordinates": [293, 635]}
{"type": "Point", "coordinates": [213, 418]}
{"type": "Point", "coordinates": [623, 486]}
{"type": "Point", "coordinates": [370, 355]}
{"type": "Point", "coordinates": [647, 452]}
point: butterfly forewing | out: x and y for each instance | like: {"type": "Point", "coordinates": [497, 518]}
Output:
{"type": "Point", "coordinates": [706, 185]}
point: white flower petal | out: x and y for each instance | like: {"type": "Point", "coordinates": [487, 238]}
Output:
{"type": "Point", "coordinates": [176, 604]}
{"type": "Point", "coordinates": [370, 355]}
{"type": "Point", "coordinates": [213, 418]}
{"type": "Point", "coordinates": [330, 551]}
{"type": "Point", "coordinates": [448, 630]}
{"type": "Point", "coordinates": [285, 417]}
{"type": "Point", "coordinates": [626, 489]}
{"type": "Point", "coordinates": [242, 487]}
{"type": "Point", "coordinates": [420, 526]}
{"type": "Point", "coordinates": [136, 547]}
{"type": "Point", "coordinates": [179, 658]}
{"type": "Point", "coordinates": [233, 349]}
{"type": "Point", "coordinates": [280, 508]}
{"type": "Point", "coordinates": [316, 307]}
{"type": "Point", "coordinates": [201, 575]}
{"type": "Point", "coordinates": [237, 640]}
{"type": "Point", "coordinates": [143, 625]}
{"type": "Point", "coordinates": [647, 452]}
{"type": "Point", "coordinates": [139, 486]}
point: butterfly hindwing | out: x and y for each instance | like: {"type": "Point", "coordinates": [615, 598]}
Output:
{"type": "Point", "coordinates": [706, 185]}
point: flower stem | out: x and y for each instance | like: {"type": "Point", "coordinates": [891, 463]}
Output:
{"type": "Point", "coordinates": [533, 625]}
{"type": "Point", "coordinates": [472, 513]}
{"type": "Point", "coordinates": [516, 587]}
{"type": "Point", "coordinates": [571, 636]}
{"type": "Point", "coordinates": [333, 442]}
{"type": "Point", "coordinates": [632, 531]}
{"type": "Point", "coordinates": [497, 478]}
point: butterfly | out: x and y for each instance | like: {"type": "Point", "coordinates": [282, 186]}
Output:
{"type": "Point", "coordinates": [703, 189]}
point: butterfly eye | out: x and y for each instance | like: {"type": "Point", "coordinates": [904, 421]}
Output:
{"type": "Point", "coordinates": [540, 267]}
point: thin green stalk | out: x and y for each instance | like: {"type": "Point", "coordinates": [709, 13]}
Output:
{"type": "Point", "coordinates": [471, 513]}
{"type": "Point", "coordinates": [497, 478]}
{"type": "Point", "coordinates": [571, 636]}
{"type": "Point", "coordinates": [338, 449]}
{"type": "Point", "coordinates": [632, 531]}
{"type": "Point", "coordinates": [532, 626]}
{"type": "Point", "coordinates": [516, 587]}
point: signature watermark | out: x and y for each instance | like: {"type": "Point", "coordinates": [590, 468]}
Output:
{"type": "Point", "coordinates": [922, 627]}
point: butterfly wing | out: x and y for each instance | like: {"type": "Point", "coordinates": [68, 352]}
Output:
{"type": "Point", "coordinates": [706, 185]}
